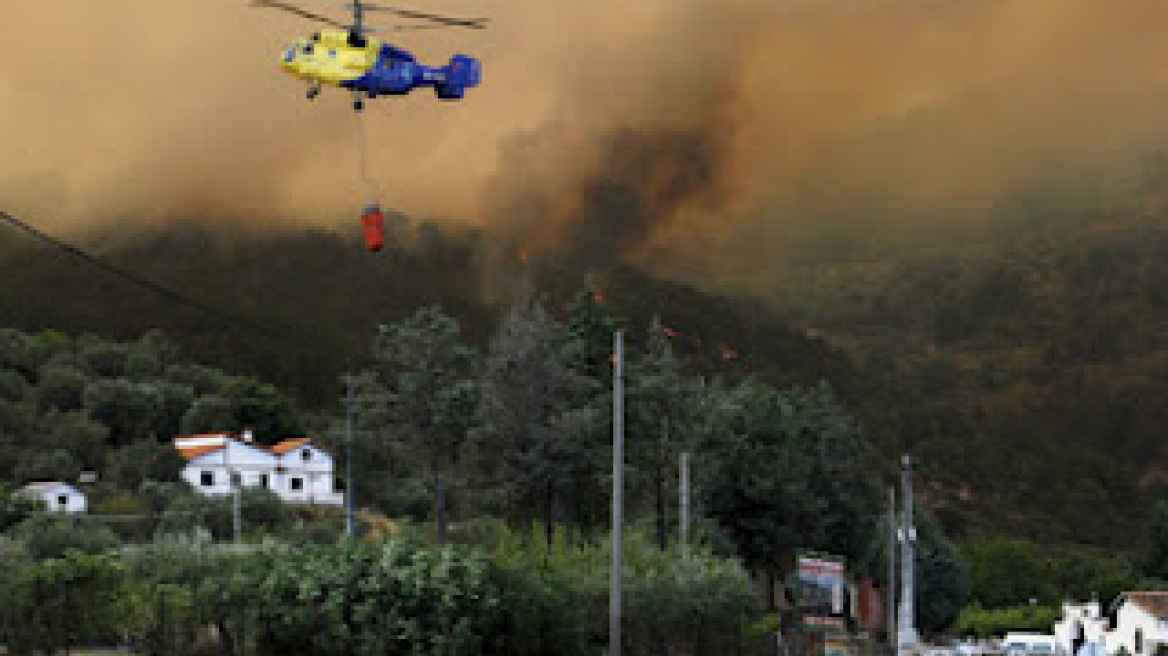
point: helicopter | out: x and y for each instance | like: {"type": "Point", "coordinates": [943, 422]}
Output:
{"type": "Point", "coordinates": [346, 57]}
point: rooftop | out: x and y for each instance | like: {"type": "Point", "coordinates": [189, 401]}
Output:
{"type": "Point", "coordinates": [1153, 603]}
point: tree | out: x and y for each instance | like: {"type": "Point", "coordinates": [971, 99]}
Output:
{"type": "Point", "coordinates": [783, 473]}
{"type": "Point", "coordinates": [52, 535]}
{"type": "Point", "coordinates": [144, 460]}
{"type": "Point", "coordinates": [662, 402]}
{"type": "Point", "coordinates": [176, 400]}
{"type": "Point", "coordinates": [1155, 559]}
{"type": "Point", "coordinates": [268, 411]}
{"type": "Point", "coordinates": [425, 374]}
{"type": "Point", "coordinates": [46, 465]}
{"type": "Point", "coordinates": [1007, 571]}
{"type": "Point", "coordinates": [77, 434]}
{"type": "Point", "coordinates": [531, 438]}
{"type": "Point", "coordinates": [209, 412]}
{"type": "Point", "coordinates": [60, 386]}
{"type": "Point", "coordinates": [942, 574]}
{"type": "Point", "coordinates": [127, 409]}
{"type": "Point", "coordinates": [943, 586]}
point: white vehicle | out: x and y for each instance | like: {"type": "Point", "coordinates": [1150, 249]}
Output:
{"type": "Point", "coordinates": [969, 649]}
{"type": "Point", "coordinates": [1030, 644]}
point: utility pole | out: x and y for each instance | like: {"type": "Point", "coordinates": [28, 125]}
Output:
{"type": "Point", "coordinates": [350, 405]}
{"type": "Point", "coordinates": [618, 473]}
{"type": "Point", "coordinates": [890, 605]}
{"type": "Point", "coordinates": [683, 511]}
{"type": "Point", "coordinates": [236, 511]}
{"type": "Point", "coordinates": [906, 637]}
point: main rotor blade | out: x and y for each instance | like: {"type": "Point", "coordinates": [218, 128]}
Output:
{"type": "Point", "coordinates": [477, 23]}
{"type": "Point", "coordinates": [299, 12]}
{"type": "Point", "coordinates": [398, 28]}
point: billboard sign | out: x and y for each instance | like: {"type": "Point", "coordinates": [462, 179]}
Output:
{"type": "Point", "coordinates": [822, 585]}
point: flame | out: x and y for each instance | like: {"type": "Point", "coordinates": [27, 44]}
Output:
{"type": "Point", "coordinates": [523, 255]}
{"type": "Point", "coordinates": [598, 297]}
{"type": "Point", "coordinates": [728, 353]}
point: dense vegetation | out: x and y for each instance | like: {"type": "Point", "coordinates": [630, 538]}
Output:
{"type": "Point", "coordinates": [396, 597]}
{"type": "Point", "coordinates": [1021, 363]}
{"type": "Point", "coordinates": [1038, 348]}
{"type": "Point", "coordinates": [450, 434]}
{"type": "Point", "coordinates": [1033, 418]}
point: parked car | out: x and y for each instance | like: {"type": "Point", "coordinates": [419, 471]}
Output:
{"type": "Point", "coordinates": [1030, 644]}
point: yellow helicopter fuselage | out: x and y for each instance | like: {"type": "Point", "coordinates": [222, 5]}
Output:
{"type": "Point", "coordinates": [328, 58]}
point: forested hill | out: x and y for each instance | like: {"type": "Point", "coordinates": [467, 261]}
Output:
{"type": "Point", "coordinates": [1025, 368]}
{"type": "Point", "coordinates": [1042, 347]}
{"type": "Point", "coordinates": [298, 306]}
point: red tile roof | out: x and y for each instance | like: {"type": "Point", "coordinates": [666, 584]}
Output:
{"type": "Point", "coordinates": [288, 445]}
{"type": "Point", "coordinates": [1152, 603]}
{"type": "Point", "coordinates": [195, 452]}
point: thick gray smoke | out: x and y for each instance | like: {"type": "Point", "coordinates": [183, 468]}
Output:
{"type": "Point", "coordinates": [635, 131]}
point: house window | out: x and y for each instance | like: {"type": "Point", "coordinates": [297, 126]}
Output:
{"type": "Point", "coordinates": [62, 500]}
{"type": "Point", "coordinates": [236, 479]}
{"type": "Point", "coordinates": [306, 455]}
{"type": "Point", "coordinates": [297, 484]}
{"type": "Point", "coordinates": [264, 480]}
{"type": "Point", "coordinates": [1139, 641]}
{"type": "Point", "coordinates": [207, 479]}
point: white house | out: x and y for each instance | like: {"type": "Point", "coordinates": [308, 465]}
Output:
{"type": "Point", "coordinates": [1141, 623]}
{"type": "Point", "coordinates": [1081, 624]}
{"type": "Point", "coordinates": [1137, 625]}
{"type": "Point", "coordinates": [298, 471]}
{"type": "Point", "coordinates": [57, 496]}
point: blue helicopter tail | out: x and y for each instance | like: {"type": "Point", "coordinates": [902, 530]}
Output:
{"type": "Point", "coordinates": [462, 72]}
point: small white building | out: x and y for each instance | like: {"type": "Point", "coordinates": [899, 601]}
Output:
{"type": "Point", "coordinates": [1141, 623]}
{"type": "Point", "coordinates": [56, 495]}
{"type": "Point", "coordinates": [1081, 624]}
{"type": "Point", "coordinates": [297, 471]}
{"type": "Point", "coordinates": [1136, 625]}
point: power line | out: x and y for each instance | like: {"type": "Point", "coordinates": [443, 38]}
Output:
{"type": "Point", "coordinates": [138, 280]}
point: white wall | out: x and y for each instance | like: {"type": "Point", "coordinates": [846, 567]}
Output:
{"type": "Point", "coordinates": [75, 501]}
{"type": "Point", "coordinates": [1132, 618]}
{"type": "Point", "coordinates": [1088, 616]}
{"type": "Point", "coordinates": [250, 462]}
{"type": "Point", "coordinates": [315, 475]}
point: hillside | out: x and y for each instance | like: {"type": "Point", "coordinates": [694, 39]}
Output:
{"type": "Point", "coordinates": [1041, 346]}
{"type": "Point", "coordinates": [1023, 368]}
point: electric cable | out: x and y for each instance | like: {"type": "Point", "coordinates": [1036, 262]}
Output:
{"type": "Point", "coordinates": [371, 189]}
{"type": "Point", "coordinates": [139, 281]}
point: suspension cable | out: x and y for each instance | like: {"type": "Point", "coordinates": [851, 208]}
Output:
{"type": "Point", "coordinates": [370, 187]}
{"type": "Point", "coordinates": [169, 294]}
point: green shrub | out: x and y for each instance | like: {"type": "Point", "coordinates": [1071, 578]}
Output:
{"type": "Point", "coordinates": [984, 623]}
{"type": "Point", "coordinates": [57, 602]}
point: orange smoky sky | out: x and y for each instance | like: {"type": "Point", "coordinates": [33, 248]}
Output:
{"type": "Point", "coordinates": [624, 126]}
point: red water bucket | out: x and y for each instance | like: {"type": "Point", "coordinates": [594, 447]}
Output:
{"type": "Point", "coordinates": [374, 227]}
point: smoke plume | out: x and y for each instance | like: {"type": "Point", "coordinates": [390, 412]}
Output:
{"type": "Point", "coordinates": [655, 131]}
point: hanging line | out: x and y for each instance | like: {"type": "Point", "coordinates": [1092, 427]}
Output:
{"type": "Point", "coordinates": [370, 187]}
{"type": "Point", "coordinates": [134, 279]}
